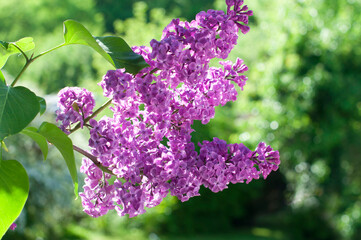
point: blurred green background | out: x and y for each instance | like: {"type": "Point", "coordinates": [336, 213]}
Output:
{"type": "Point", "coordinates": [303, 97]}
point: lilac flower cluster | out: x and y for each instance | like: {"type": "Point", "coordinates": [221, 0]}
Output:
{"type": "Point", "coordinates": [146, 144]}
{"type": "Point", "coordinates": [74, 105]}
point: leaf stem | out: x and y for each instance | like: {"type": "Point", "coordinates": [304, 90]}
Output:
{"type": "Point", "coordinates": [30, 60]}
{"type": "Point", "coordinates": [105, 105]}
{"type": "Point", "coordinates": [27, 63]}
{"type": "Point", "coordinates": [93, 159]}
{"type": "Point", "coordinates": [22, 52]}
{"type": "Point", "coordinates": [48, 51]}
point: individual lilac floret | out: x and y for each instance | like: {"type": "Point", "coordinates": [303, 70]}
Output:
{"type": "Point", "coordinates": [74, 105]}
{"type": "Point", "coordinates": [13, 226]}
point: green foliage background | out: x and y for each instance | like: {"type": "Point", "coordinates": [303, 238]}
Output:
{"type": "Point", "coordinates": [303, 97]}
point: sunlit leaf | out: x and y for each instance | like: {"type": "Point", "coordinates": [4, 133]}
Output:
{"type": "Point", "coordinates": [65, 146]}
{"type": "Point", "coordinates": [7, 48]}
{"type": "Point", "coordinates": [114, 49]}
{"type": "Point", "coordinates": [2, 78]}
{"type": "Point", "coordinates": [14, 191]}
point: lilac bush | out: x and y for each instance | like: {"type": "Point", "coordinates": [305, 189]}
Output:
{"type": "Point", "coordinates": [144, 150]}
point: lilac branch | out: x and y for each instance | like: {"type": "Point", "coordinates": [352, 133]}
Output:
{"type": "Point", "coordinates": [105, 105]}
{"type": "Point", "coordinates": [93, 159]}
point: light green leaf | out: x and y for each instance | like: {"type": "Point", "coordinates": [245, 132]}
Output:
{"type": "Point", "coordinates": [18, 107]}
{"type": "Point", "coordinates": [2, 78]}
{"type": "Point", "coordinates": [114, 49]}
{"type": "Point", "coordinates": [14, 191]}
{"type": "Point", "coordinates": [42, 103]}
{"type": "Point", "coordinates": [38, 138]}
{"type": "Point", "coordinates": [64, 144]}
{"type": "Point", "coordinates": [7, 48]}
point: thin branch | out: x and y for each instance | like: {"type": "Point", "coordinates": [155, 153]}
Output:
{"type": "Point", "coordinates": [93, 159]}
{"type": "Point", "coordinates": [48, 51]}
{"type": "Point", "coordinates": [30, 60]}
{"type": "Point", "coordinates": [105, 105]}
{"type": "Point", "coordinates": [21, 73]}
{"type": "Point", "coordinates": [27, 63]}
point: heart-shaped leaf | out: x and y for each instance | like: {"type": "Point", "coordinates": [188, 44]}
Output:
{"type": "Point", "coordinates": [14, 190]}
{"type": "Point", "coordinates": [64, 144]}
{"type": "Point", "coordinates": [38, 138]}
{"type": "Point", "coordinates": [7, 48]}
{"type": "Point", "coordinates": [114, 49]}
{"type": "Point", "coordinates": [18, 107]}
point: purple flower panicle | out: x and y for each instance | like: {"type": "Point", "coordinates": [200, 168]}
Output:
{"type": "Point", "coordinates": [146, 144]}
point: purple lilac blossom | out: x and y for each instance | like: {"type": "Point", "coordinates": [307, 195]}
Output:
{"type": "Point", "coordinates": [13, 226]}
{"type": "Point", "coordinates": [74, 105]}
{"type": "Point", "coordinates": [146, 144]}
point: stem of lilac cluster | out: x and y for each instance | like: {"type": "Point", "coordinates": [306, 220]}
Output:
{"type": "Point", "coordinates": [93, 159]}
{"type": "Point", "coordinates": [151, 72]}
{"type": "Point", "coordinates": [105, 105]}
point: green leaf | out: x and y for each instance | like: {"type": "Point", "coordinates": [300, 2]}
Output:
{"type": "Point", "coordinates": [38, 138]}
{"type": "Point", "coordinates": [2, 78]}
{"type": "Point", "coordinates": [7, 48]}
{"type": "Point", "coordinates": [42, 103]}
{"type": "Point", "coordinates": [14, 190]}
{"type": "Point", "coordinates": [122, 55]}
{"type": "Point", "coordinates": [64, 144]}
{"type": "Point", "coordinates": [18, 107]}
{"type": "Point", "coordinates": [114, 49]}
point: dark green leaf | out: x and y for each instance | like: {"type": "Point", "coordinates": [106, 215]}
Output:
{"type": "Point", "coordinates": [122, 55]}
{"type": "Point", "coordinates": [64, 144]}
{"type": "Point", "coordinates": [42, 103]}
{"type": "Point", "coordinates": [38, 138]}
{"type": "Point", "coordinates": [18, 107]}
{"type": "Point", "coordinates": [14, 190]}
{"type": "Point", "coordinates": [114, 49]}
{"type": "Point", "coordinates": [7, 48]}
